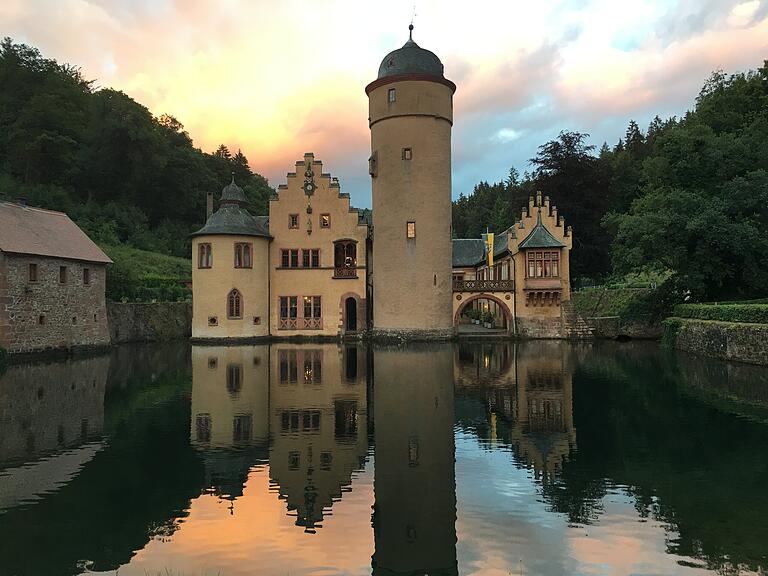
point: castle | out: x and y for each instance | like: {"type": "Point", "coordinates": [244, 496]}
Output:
{"type": "Point", "coordinates": [317, 267]}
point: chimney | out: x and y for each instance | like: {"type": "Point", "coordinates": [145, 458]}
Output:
{"type": "Point", "coordinates": [209, 206]}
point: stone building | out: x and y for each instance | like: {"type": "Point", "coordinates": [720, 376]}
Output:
{"type": "Point", "coordinates": [315, 267]}
{"type": "Point", "coordinates": [410, 118]}
{"type": "Point", "coordinates": [298, 272]}
{"type": "Point", "coordinates": [525, 281]}
{"type": "Point", "coordinates": [52, 281]}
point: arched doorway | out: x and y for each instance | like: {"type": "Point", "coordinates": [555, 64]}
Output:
{"type": "Point", "coordinates": [350, 314]}
{"type": "Point", "coordinates": [482, 304]}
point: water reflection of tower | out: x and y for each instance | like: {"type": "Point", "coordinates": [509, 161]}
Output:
{"type": "Point", "coordinates": [544, 433]}
{"type": "Point", "coordinates": [230, 413]}
{"type": "Point", "coordinates": [318, 423]}
{"type": "Point", "coordinates": [414, 518]}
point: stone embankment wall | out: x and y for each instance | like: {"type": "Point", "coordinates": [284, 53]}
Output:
{"type": "Point", "coordinates": [149, 322]}
{"type": "Point", "coordinates": [723, 340]}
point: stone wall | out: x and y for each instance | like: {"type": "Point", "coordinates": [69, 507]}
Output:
{"type": "Point", "coordinates": [613, 327]}
{"type": "Point", "coordinates": [724, 340]}
{"type": "Point", "coordinates": [540, 327]}
{"type": "Point", "coordinates": [149, 322]}
{"type": "Point", "coordinates": [57, 310]}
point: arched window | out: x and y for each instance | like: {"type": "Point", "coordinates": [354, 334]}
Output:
{"type": "Point", "coordinates": [345, 259]}
{"type": "Point", "coordinates": [234, 305]}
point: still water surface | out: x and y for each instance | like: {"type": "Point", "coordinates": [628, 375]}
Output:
{"type": "Point", "coordinates": [536, 458]}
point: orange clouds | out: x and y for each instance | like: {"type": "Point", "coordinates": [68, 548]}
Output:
{"type": "Point", "coordinates": [281, 78]}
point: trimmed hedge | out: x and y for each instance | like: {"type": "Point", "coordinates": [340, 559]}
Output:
{"type": "Point", "coordinates": [740, 313]}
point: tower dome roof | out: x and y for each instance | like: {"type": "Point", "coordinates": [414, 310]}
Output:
{"type": "Point", "coordinates": [411, 59]}
{"type": "Point", "coordinates": [233, 193]}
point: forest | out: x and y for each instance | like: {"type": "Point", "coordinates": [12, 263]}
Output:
{"type": "Point", "coordinates": [683, 202]}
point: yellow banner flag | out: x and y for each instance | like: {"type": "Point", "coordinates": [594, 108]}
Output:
{"type": "Point", "coordinates": [489, 248]}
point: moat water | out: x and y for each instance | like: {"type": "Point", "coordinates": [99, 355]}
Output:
{"type": "Point", "coordinates": [539, 458]}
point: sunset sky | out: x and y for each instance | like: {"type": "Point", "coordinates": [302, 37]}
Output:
{"type": "Point", "coordinates": [278, 79]}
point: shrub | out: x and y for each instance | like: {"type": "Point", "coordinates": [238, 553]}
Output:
{"type": "Point", "coordinates": [3, 359]}
{"type": "Point", "coordinates": [749, 313]}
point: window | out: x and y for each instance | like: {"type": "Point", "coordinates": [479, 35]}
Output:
{"type": "Point", "coordinates": [86, 276]}
{"type": "Point", "coordinates": [315, 263]}
{"type": "Point", "coordinates": [204, 256]}
{"type": "Point", "coordinates": [293, 221]}
{"type": "Point", "coordinates": [242, 427]}
{"type": "Point", "coordinates": [407, 154]}
{"type": "Point", "coordinates": [256, 320]}
{"type": "Point", "coordinates": [305, 258]}
{"type": "Point", "coordinates": [203, 427]}
{"type": "Point", "coordinates": [234, 378]}
{"type": "Point", "coordinates": [33, 272]}
{"type": "Point", "coordinates": [234, 305]}
{"type": "Point", "coordinates": [288, 307]}
{"type": "Point", "coordinates": [213, 362]}
{"type": "Point", "coordinates": [392, 95]}
{"type": "Point", "coordinates": [213, 321]}
{"type": "Point", "coordinates": [543, 264]}
{"type": "Point", "coordinates": [312, 307]}
{"type": "Point", "coordinates": [243, 255]}
{"type": "Point", "coordinates": [345, 259]}
{"type": "Point", "coordinates": [294, 258]}
{"type": "Point", "coordinates": [41, 319]}
{"type": "Point", "coordinates": [325, 220]}
{"type": "Point", "coordinates": [410, 230]}
{"type": "Point", "coordinates": [284, 259]}
{"type": "Point", "coordinates": [62, 274]}
{"type": "Point", "coordinates": [288, 366]}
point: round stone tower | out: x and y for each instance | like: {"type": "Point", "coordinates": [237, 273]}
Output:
{"type": "Point", "coordinates": [410, 117]}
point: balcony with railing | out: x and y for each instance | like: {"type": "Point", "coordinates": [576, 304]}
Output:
{"type": "Point", "coordinates": [345, 272]}
{"type": "Point", "coordinates": [483, 285]}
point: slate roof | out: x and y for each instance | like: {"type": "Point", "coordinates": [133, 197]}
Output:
{"type": "Point", "coordinates": [540, 237]}
{"type": "Point", "coordinates": [232, 218]}
{"type": "Point", "coordinates": [467, 251]}
{"type": "Point", "coordinates": [39, 232]}
{"type": "Point", "coordinates": [410, 59]}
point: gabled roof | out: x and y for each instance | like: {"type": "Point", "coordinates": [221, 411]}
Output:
{"type": "Point", "coordinates": [467, 251]}
{"type": "Point", "coordinates": [39, 232]}
{"type": "Point", "coordinates": [540, 237]}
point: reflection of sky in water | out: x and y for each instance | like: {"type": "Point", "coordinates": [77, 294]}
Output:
{"type": "Point", "coordinates": [504, 527]}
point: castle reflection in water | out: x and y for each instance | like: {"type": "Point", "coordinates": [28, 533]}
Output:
{"type": "Point", "coordinates": [315, 413]}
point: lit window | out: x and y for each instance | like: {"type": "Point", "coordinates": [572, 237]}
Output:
{"type": "Point", "coordinates": [392, 95]}
{"type": "Point", "coordinates": [325, 220]}
{"type": "Point", "coordinates": [204, 256]}
{"type": "Point", "coordinates": [543, 264]}
{"type": "Point", "coordinates": [410, 230]}
{"type": "Point", "coordinates": [293, 221]}
{"type": "Point", "coordinates": [33, 272]}
{"type": "Point", "coordinates": [243, 255]}
{"type": "Point", "coordinates": [312, 307]}
{"type": "Point", "coordinates": [62, 274]}
{"type": "Point", "coordinates": [407, 154]}
{"type": "Point", "coordinates": [86, 276]}
{"type": "Point", "coordinates": [234, 305]}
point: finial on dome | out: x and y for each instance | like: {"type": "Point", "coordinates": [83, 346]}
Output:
{"type": "Point", "coordinates": [233, 176]}
{"type": "Point", "coordinates": [410, 31]}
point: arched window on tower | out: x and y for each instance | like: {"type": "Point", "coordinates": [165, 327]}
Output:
{"type": "Point", "coordinates": [234, 305]}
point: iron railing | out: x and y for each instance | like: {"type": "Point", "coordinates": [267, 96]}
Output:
{"type": "Point", "coordinates": [483, 285]}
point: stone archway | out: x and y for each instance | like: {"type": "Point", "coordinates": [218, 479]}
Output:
{"type": "Point", "coordinates": [503, 306]}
